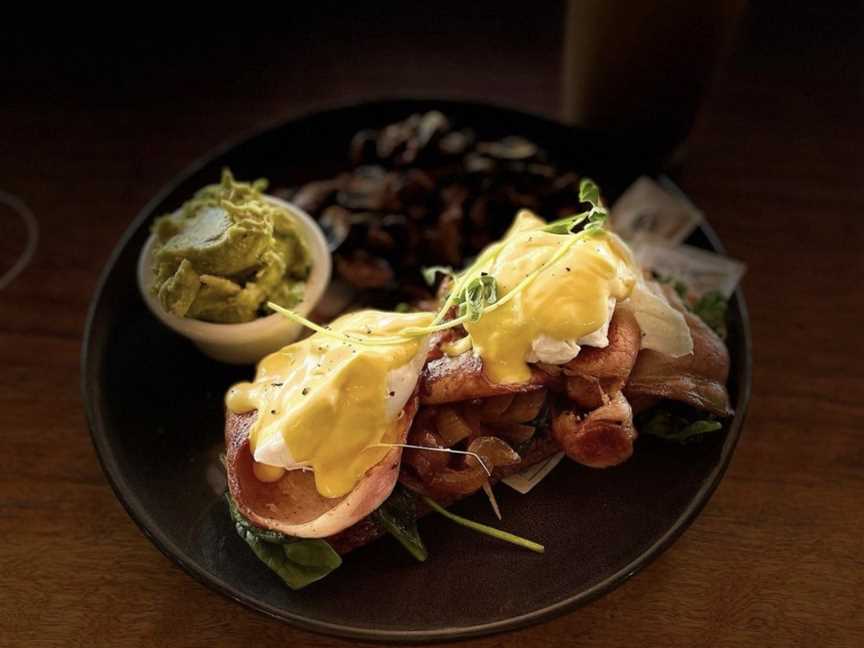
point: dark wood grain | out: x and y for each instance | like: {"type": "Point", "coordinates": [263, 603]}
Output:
{"type": "Point", "coordinates": [90, 131]}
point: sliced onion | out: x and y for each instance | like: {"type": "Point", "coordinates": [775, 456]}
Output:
{"type": "Point", "coordinates": [515, 433]}
{"type": "Point", "coordinates": [464, 481]}
{"type": "Point", "coordinates": [459, 482]}
{"type": "Point", "coordinates": [492, 408]}
{"type": "Point", "coordinates": [451, 427]}
{"type": "Point", "coordinates": [525, 407]}
{"type": "Point", "coordinates": [493, 451]}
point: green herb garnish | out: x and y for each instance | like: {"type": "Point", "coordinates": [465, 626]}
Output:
{"type": "Point", "coordinates": [485, 530]}
{"type": "Point", "coordinates": [297, 561]}
{"type": "Point", "coordinates": [398, 516]}
{"type": "Point", "coordinates": [348, 338]}
{"type": "Point", "coordinates": [473, 299]}
{"type": "Point", "coordinates": [588, 192]}
{"type": "Point", "coordinates": [566, 225]}
{"type": "Point", "coordinates": [712, 307]}
{"type": "Point", "coordinates": [666, 424]}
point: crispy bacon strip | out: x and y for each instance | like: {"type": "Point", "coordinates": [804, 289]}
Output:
{"type": "Point", "coordinates": [601, 439]}
{"type": "Point", "coordinates": [595, 374]}
{"type": "Point", "coordinates": [293, 505]}
{"type": "Point", "coordinates": [698, 379]}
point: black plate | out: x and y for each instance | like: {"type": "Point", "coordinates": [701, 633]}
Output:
{"type": "Point", "coordinates": [155, 409]}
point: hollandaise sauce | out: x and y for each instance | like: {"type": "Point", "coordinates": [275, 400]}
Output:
{"type": "Point", "coordinates": [561, 287]}
{"type": "Point", "coordinates": [323, 403]}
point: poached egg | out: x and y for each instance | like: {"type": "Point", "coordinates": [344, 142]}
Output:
{"type": "Point", "coordinates": [331, 405]}
{"type": "Point", "coordinates": [569, 303]}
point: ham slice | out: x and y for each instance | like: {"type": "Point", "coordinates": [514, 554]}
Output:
{"type": "Point", "coordinates": [595, 374]}
{"type": "Point", "coordinates": [590, 377]}
{"type": "Point", "coordinates": [697, 379]}
{"type": "Point", "coordinates": [459, 378]}
{"type": "Point", "coordinates": [293, 505]}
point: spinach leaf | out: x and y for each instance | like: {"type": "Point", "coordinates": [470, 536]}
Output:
{"type": "Point", "coordinates": [679, 286]}
{"type": "Point", "coordinates": [671, 426]}
{"type": "Point", "coordinates": [540, 423]}
{"type": "Point", "coordinates": [712, 307]}
{"type": "Point", "coordinates": [398, 516]}
{"type": "Point", "coordinates": [247, 527]}
{"type": "Point", "coordinates": [297, 561]}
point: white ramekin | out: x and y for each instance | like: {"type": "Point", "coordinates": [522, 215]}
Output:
{"type": "Point", "coordinates": [250, 341]}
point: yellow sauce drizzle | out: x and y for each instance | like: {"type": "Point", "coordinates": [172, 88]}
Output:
{"type": "Point", "coordinates": [328, 400]}
{"type": "Point", "coordinates": [565, 301]}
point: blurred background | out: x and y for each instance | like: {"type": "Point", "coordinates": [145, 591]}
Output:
{"type": "Point", "coordinates": [96, 118]}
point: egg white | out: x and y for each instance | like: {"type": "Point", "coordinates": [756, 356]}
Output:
{"type": "Point", "coordinates": [664, 329]}
{"type": "Point", "coordinates": [557, 352]}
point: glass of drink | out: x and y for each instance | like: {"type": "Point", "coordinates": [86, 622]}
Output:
{"type": "Point", "coordinates": [641, 69]}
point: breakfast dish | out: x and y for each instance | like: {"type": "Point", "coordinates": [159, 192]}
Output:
{"type": "Point", "coordinates": [549, 341]}
{"type": "Point", "coordinates": [159, 430]}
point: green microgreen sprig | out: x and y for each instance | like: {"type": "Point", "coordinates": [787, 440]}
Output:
{"type": "Point", "coordinates": [477, 295]}
{"type": "Point", "coordinates": [536, 547]}
{"type": "Point", "coordinates": [596, 217]}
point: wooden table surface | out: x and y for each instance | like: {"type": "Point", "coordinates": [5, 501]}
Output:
{"type": "Point", "coordinates": [91, 126]}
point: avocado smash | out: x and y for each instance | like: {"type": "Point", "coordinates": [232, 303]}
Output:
{"type": "Point", "coordinates": [226, 252]}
